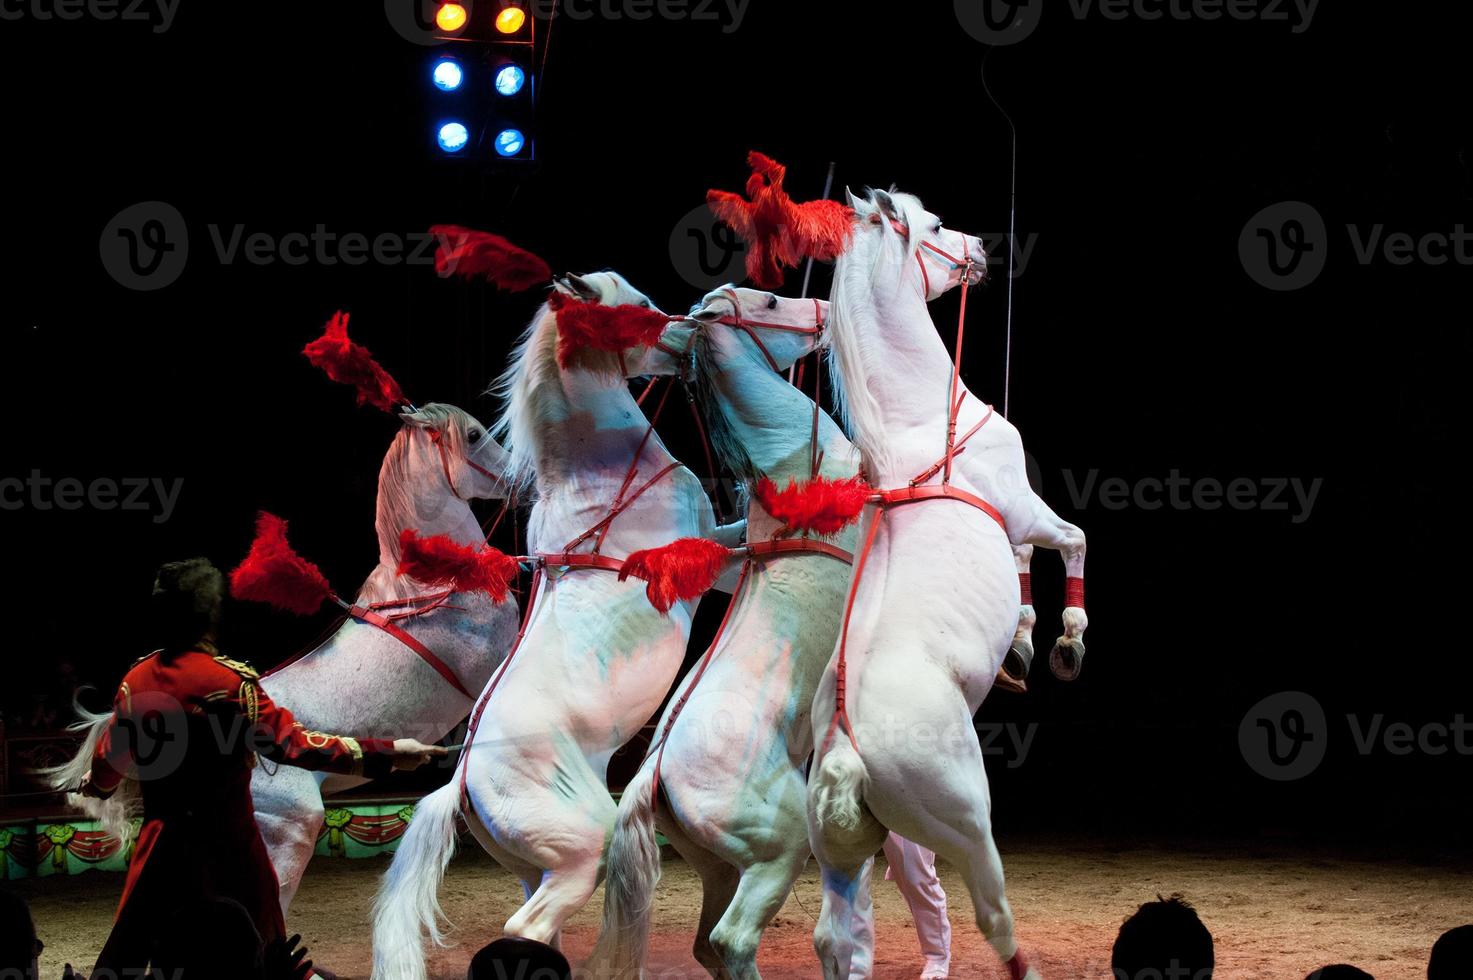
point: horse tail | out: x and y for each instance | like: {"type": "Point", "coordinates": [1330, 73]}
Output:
{"type": "Point", "coordinates": [838, 785]}
{"type": "Point", "coordinates": [407, 906]}
{"type": "Point", "coordinates": [633, 870]}
{"type": "Point", "coordinates": [118, 812]}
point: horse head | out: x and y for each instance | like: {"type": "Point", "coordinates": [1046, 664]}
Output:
{"type": "Point", "coordinates": [771, 328]}
{"type": "Point", "coordinates": [666, 357]}
{"type": "Point", "coordinates": [443, 453]}
{"type": "Point", "coordinates": [936, 258]}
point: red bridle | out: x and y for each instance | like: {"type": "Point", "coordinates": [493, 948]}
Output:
{"type": "Point", "coordinates": [749, 327]}
{"type": "Point", "coordinates": [438, 438]}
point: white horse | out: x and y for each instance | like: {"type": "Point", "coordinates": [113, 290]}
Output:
{"type": "Point", "coordinates": [361, 679]}
{"type": "Point", "coordinates": [595, 660]}
{"type": "Point", "coordinates": [918, 670]}
{"type": "Point", "coordinates": [732, 767]}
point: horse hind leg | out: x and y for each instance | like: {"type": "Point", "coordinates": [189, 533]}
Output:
{"type": "Point", "coordinates": [289, 815]}
{"type": "Point", "coordinates": [760, 893]}
{"type": "Point", "coordinates": [559, 895]}
{"type": "Point", "coordinates": [981, 870]}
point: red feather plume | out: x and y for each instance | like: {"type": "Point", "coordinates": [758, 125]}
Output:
{"type": "Point", "coordinates": [438, 560]}
{"type": "Point", "coordinates": [779, 231]}
{"type": "Point", "coordinates": [818, 506]}
{"type": "Point", "coordinates": [469, 253]}
{"type": "Point", "coordinates": [681, 570]}
{"type": "Point", "coordinates": [347, 363]}
{"type": "Point", "coordinates": [275, 574]}
{"type": "Point", "coordinates": [582, 325]}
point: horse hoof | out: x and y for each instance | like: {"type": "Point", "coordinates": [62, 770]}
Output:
{"type": "Point", "coordinates": [1006, 682]}
{"type": "Point", "coordinates": [1019, 659]}
{"type": "Point", "coordinates": [1066, 659]}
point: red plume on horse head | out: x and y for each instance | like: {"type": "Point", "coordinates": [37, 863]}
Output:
{"type": "Point", "coordinates": [469, 253]}
{"type": "Point", "coordinates": [588, 324]}
{"type": "Point", "coordinates": [275, 574]}
{"type": "Point", "coordinates": [348, 363]}
{"type": "Point", "coordinates": [780, 232]}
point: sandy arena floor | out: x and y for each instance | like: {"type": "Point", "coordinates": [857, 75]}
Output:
{"type": "Point", "coordinates": [1275, 911]}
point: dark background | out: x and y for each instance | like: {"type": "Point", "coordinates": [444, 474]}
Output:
{"type": "Point", "coordinates": [1141, 346]}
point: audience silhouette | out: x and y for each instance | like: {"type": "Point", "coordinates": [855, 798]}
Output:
{"type": "Point", "coordinates": [1164, 939]}
{"type": "Point", "coordinates": [1452, 955]}
{"type": "Point", "coordinates": [512, 958]}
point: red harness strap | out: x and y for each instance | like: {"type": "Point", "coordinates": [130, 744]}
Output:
{"type": "Point", "coordinates": [476, 712]}
{"type": "Point", "coordinates": [759, 552]}
{"type": "Point", "coordinates": [567, 558]}
{"type": "Point", "coordinates": [580, 559]}
{"type": "Point", "coordinates": [913, 493]}
{"type": "Point", "coordinates": [373, 617]}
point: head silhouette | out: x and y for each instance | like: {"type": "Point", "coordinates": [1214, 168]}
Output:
{"type": "Point", "coordinates": [1340, 971]}
{"type": "Point", "coordinates": [1164, 940]}
{"type": "Point", "coordinates": [210, 940]}
{"type": "Point", "coordinates": [1452, 955]}
{"type": "Point", "coordinates": [19, 947]}
{"type": "Point", "coordinates": [513, 958]}
{"type": "Point", "coordinates": [186, 604]}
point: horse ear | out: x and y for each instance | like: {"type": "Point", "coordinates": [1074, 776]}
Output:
{"type": "Point", "coordinates": [887, 204]}
{"type": "Point", "coordinates": [849, 197]}
{"type": "Point", "coordinates": [576, 285]}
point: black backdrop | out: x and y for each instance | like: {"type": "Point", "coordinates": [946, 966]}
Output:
{"type": "Point", "coordinates": [1141, 345]}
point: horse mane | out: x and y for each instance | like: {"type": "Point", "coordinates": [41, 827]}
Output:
{"type": "Point", "coordinates": [730, 451]}
{"type": "Point", "coordinates": [856, 349]}
{"type": "Point", "coordinates": [396, 493]}
{"type": "Point", "coordinates": [531, 374]}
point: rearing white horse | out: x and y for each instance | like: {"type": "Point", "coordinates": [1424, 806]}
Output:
{"type": "Point", "coordinates": [918, 671]}
{"type": "Point", "coordinates": [361, 679]}
{"type": "Point", "coordinates": [731, 768]}
{"type": "Point", "coordinates": [595, 660]}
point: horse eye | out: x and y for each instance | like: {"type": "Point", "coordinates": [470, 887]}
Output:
{"type": "Point", "coordinates": [937, 229]}
{"type": "Point", "coordinates": [645, 303]}
{"type": "Point", "coordinates": [772, 303]}
{"type": "Point", "coordinates": [474, 435]}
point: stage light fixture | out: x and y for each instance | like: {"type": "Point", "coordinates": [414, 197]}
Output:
{"type": "Point", "coordinates": [453, 137]}
{"type": "Point", "coordinates": [448, 75]}
{"type": "Point", "coordinates": [510, 79]}
{"type": "Point", "coordinates": [450, 18]}
{"type": "Point", "coordinates": [509, 142]}
{"type": "Point", "coordinates": [510, 19]}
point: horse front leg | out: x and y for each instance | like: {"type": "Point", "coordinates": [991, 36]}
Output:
{"type": "Point", "coordinates": [1019, 659]}
{"type": "Point", "coordinates": [1049, 530]}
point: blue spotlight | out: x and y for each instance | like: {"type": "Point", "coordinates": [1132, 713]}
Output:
{"type": "Point", "coordinates": [447, 75]}
{"type": "Point", "coordinates": [453, 137]}
{"type": "Point", "coordinates": [509, 142]}
{"type": "Point", "coordinates": [510, 79]}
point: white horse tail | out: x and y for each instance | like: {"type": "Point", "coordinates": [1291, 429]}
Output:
{"type": "Point", "coordinates": [407, 906]}
{"type": "Point", "coordinates": [633, 870]}
{"type": "Point", "coordinates": [838, 786]}
{"type": "Point", "coordinates": [117, 813]}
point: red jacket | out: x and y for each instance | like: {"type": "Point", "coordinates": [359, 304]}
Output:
{"type": "Point", "coordinates": [189, 727]}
